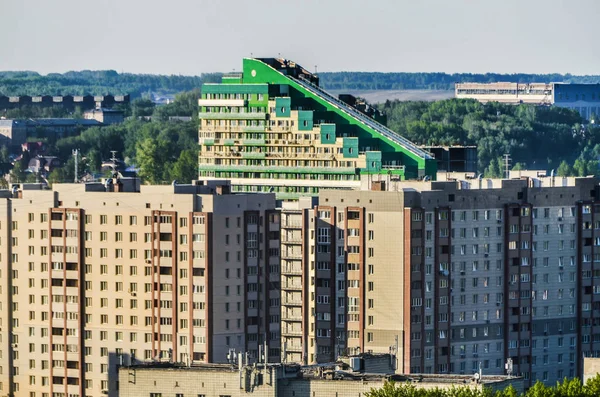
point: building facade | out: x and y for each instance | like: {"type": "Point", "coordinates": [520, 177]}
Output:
{"type": "Point", "coordinates": [95, 276]}
{"type": "Point", "coordinates": [66, 101]}
{"type": "Point", "coordinates": [449, 275]}
{"type": "Point", "coordinates": [15, 133]}
{"type": "Point", "coordinates": [273, 129]}
{"type": "Point", "coordinates": [584, 98]}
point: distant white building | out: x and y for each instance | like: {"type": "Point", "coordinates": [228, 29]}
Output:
{"type": "Point", "coordinates": [584, 98]}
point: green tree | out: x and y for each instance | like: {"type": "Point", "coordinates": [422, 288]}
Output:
{"type": "Point", "coordinates": [539, 390]}
{"type": "Point", "coordinates": [495, 169]}
{"type": "Point", "coordinates": [185, 169]}
{"type": "Point", "coordinates": [150, 156]}
{"type": "Point", "coordinates": [564, 169]}
{"type": "Point", "coordinates": [56, 176]}
{"type": "Point", "coordinates": [592, 386]}
{"type": "Point", "coordinates": [18, 174]}
{"type": "Point", "coordinates": [142, 107]}
{"type": "Point", "coordinates": [4, 153]}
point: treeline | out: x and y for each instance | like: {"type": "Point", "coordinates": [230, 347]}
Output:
{"type": "Point", "coordinates": [99, 83]}
{"type": "Point", "coordinates": [435, 81]}
{"type": "Point", "coordinates": [535, 137]}
{"type": "Point", "coordinates": [567, 388]}
{"type": "Point", "coordinates": [137, 85]}
{"type": "Point", "coordinates": [161, 150]}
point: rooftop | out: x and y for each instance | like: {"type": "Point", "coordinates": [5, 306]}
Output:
{"type": "Point", "coordinates": [326, 372]}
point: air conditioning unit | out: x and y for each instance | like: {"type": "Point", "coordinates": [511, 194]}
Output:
{"type": "Point", "coordinates": [462, 272]}
{"type": "Point", "coordinates": [560, 219]}
{"type": "Point", "coordinates": [499, 221]}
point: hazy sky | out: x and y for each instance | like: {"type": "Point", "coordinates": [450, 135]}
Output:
{"type": "Point", "coordinates": [197, 36]}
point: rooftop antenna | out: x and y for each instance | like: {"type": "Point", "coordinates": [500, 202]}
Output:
{"type": "Point", "coordinates": [509, 367]}
{"type": "Point", "coordinates": [316, 69]}
{"type": "Point", "coordinates": [506, 165]}
{"type": "Point", "coordinates": [76, 155]}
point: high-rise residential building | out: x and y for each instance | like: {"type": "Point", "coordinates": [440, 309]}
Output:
{"type": "Point", "coordinates": [95, 275]}
{"type": "Point", "coordinates": [272, 128]}
{"type": "Point", "coordinates": [450, 275]}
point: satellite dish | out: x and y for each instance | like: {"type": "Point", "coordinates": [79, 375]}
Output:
{"type": "Point", "coordinates": [476, 376]}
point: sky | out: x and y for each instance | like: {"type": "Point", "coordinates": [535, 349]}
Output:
{"type": "Point", "coordinates": [191, 37]}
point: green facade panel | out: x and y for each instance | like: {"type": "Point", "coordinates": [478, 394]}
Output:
{"type": "Point", "coordinates": [283, 107]}
{"type": "Point", "coordinates": [231, 80]}
{"type": "Point", "coordinates": [373, 160]}
{"type": "Point", "coordinates": [327, 133]}
{"type": "Point", "coordinates": [350, 148]}
{"type": "Point", "coordinates": [305, 120]}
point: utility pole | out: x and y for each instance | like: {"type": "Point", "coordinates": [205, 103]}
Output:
{"type": "Point", "coordinates": [76, 155]}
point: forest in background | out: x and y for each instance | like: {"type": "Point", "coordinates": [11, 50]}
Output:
{"type": "Point", "coordinates": [536, 137]}
{"type": "Point", "coordinates": [142, 85]}
{"type": "Point", "coordinates": [436, 81]}
{"type": "Point", "coordinates": [100, 82]}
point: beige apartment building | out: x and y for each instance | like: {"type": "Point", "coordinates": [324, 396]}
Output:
{"type": "Point", "coordinates": [451, 276]}
{"type": "Point", "coordinates": [99, 275]}
{"type": "Point", "coordinates": [284, 381]}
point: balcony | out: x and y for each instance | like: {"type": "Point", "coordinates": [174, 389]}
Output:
{"type": "Point", "coordinates": [232, 116]}
{"type": "Point", "coordinates": [253, 128]}
{"type": "Point", "coordinates": [253, 142]}
{"type": "Point", "coordinates": [253, 155]}
{"type": "Point", "coordinates": [291, 255]}
{"type": "Point", "coordinates": [291, 240]}
{"type": "Point", "coordinates": [292, 287]}
{"type": "Point", "coordinates": [273, 168]}
{"type": "Point", "coordinates": [222, 102]}
{"type": "Point", "coordinates": [294, 348]}
{"type": "Point", "coordinates": [292, 269]}
{"type": "Point", "coordinates": [291, 333]}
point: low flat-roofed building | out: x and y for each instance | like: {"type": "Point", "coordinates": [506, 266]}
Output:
{"type": "Point", "coordinates": [281, 381]}
{"type": "Point", "coordinates": [105, 115]}
{"type": "Point", "coordinates": [14, 132]}
{"type": "Point", "coordinates": [584, 98]}
{"type": "Point", "coordinates": [505, 92]}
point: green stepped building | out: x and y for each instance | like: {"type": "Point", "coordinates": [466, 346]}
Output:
{"type": "Point", "coordinates": [272, 129]}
